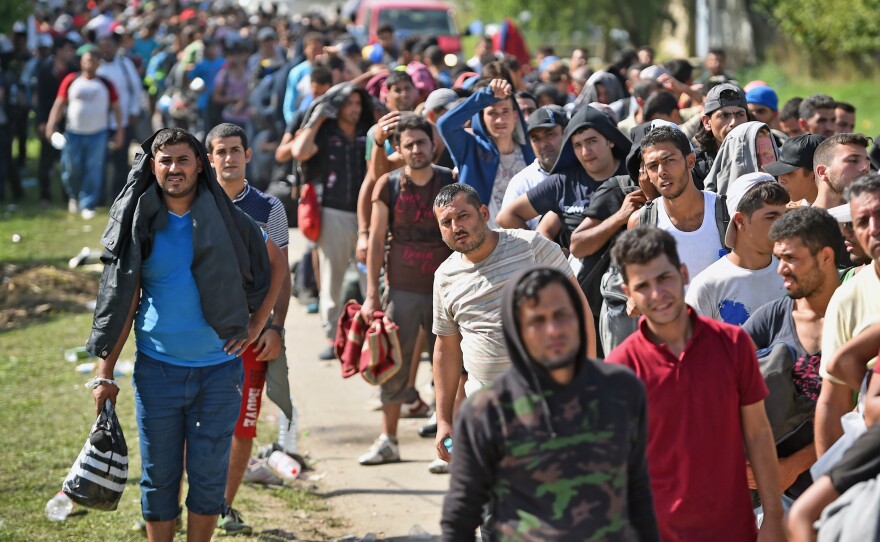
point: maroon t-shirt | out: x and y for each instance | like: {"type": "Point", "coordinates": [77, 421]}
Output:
{"type": "Point", "coordinates": [416, 248]}
{"type": "Point", "coordinates": [696, 455]}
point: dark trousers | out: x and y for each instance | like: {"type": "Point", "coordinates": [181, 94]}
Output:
{"type": "Point", "coordinates": [49, 156]}
{"type": "Point", "coordinates": [8, 169]}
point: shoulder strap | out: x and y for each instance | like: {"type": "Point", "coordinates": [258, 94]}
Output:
{"type": "Point", "coordinates": [722, 218]}
{"type": "Point", "coordinates": [648, 214]}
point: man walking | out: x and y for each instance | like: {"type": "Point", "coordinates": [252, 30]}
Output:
{"type": "Point", "coordinates": [197, 297]}
{"type": "Point", "coordinates": [401, 207]}
{"type": "Point", "coordinates": [705, 403]}
{"type": "Point", "coordinates": [265, 359]}
{"type": "Point", "coordinates": [560, 412]}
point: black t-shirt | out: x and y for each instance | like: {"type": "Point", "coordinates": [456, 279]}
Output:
{"type": "Point", "coordinates": [567, 192]}
{"type": "Point", "coordinates": [338, 166]}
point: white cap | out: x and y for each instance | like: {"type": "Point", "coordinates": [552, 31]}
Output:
{"type": "Point", "coordinates": [735, 193]}
{"type": "Point", "coordinates": [841, 213]}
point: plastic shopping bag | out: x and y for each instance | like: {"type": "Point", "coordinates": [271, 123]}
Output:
{"type": "Point", "coordinates": [98, 476]}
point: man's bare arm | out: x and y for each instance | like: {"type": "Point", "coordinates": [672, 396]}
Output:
{"type": "Point", "coordinates": [447, 370]}
{"type": "Point", "coordinates": [761, 452]}
{"type": "Point", "coordinates": [517, 213]}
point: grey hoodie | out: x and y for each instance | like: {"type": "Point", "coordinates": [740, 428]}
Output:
{"type": "Point", "coordinates": [737, 156]}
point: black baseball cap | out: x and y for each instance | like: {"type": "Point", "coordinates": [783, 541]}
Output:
{"type": "Point", "coordinates": [547, 117]}
{"type": "Point", "coordinates": [724, 95]}
{"type": "Point", "coordinates": [797, 152]}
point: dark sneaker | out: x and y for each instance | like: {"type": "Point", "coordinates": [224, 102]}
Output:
{"type": "Point", "coordinates": [232, 523]}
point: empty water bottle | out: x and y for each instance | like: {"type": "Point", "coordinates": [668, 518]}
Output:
{"type": "Point", "coordinates": [287, 435]}
{"type": "Point", "coordinates": [285, 466]}
{"type": "Point", "coordinates": [59, 507]}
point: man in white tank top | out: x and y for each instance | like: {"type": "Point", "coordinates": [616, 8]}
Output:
{"type": "Point", "coordinates": [682, 210]}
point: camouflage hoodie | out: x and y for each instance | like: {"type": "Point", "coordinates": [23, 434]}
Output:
{"type": "Point", "coordinates": [551, 461]}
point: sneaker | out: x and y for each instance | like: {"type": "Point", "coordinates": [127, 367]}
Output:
{"type": "Point", "coordinates": [73, 208]}
{"type": "Point", "coordinates": [259, 472]}
{"type": "Point", "coordinates": [263, 452]}
{"type": "Point", "coordinates": [438, 466]}
{"type": "Point", "coordinates": [231, 522]}
{"type": "Point", "coordinates": [327, 353]}
{"type": "Point", "coordinates": [416, 409]}
{"type": "Point", "coordinates": [312, 308]}
{"type": "Point", "coordinates": [87, 214]}
{"type": "Point", "coordinates": [429, 429]}
{"type": "Point", "coordinates": [384, 450]}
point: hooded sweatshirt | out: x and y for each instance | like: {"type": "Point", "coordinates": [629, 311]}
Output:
{"type": "Point", "coordinates": [737, 156]}
{"type": "Point", "coordinates": [553, 461]}
{"type": "Point", "coordinates": [474, 152]}
{"type": "Point", "coordinates": [614, 92]}
{"type": "Point", "coordinates": [568, 189]}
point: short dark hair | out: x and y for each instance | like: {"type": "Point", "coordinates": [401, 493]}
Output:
{"type": "Point", "coordinates": [321, 75]}
{"type": "Point", "coordinates": [645, 87]}
{"type": "Point", "coordinates": [525, 94]}
{"type": "Point", "coordinates": [661, 102]}
{"type": "Point", "coordinates": [718, 51]}
{"type": "Point", "coordinates": [866, 184]}
{"type": "Point", "coordinates": [647, 48]}
{"type": "Point", "coordinates": [812, 104]}
{"type": "Point", "coordinates": [496, 70]}
{"type": "Point", "coordinates": [546, 50]}
{"type": "Point", "coordinates": [173, 136]}
{"type": "Point", "coordinates": [763, 193]}
{"type": "Point", "coordinates": [384, 29]}
{"type": "Point", "coordinates": [679, 68]}
{"type": "Point", "coordinates": [825, 151]}
{"type": "Point", "coordinates": [641, 245]}
{"type": "Point", "coordinates": [312, 37]}
{"type": "Point", "coordinates": [815, 227]}
{"type": "Point", "coordinates": [450, 191]}
{"type": "Point", "coordinates": [410, 121]}
{"type": "Point", "coordinates": [789, 111]}
{"type": "Point", "coordinates": [397, 76]}
{"type": "Point", "coordinates": [225, 129]}
{"type": "Point", "coordinates": [533, 281]}
{"type": "Point", "coordinates": [846, 106]}
{"type": "Point", "coordinates": [667, 134]}
{"type": "Point", "coordinates": [435, 55]}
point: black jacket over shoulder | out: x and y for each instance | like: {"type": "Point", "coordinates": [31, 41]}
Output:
{"type": "Point", "coordinates": [230, 262]}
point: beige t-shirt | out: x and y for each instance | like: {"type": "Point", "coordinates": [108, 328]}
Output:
{"type": "Point", "coordinates": [467, 299]}
{"type": "Point", "coordinates": [853, 307]}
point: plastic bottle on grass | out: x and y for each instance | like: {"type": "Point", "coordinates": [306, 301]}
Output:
{"type": "Point", "coordinates": [59, 507]}
{"type": "Point", "coordinates": [285, 466]}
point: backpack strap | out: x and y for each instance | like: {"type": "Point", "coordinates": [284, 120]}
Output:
{"type": "Point", "coordinates": [393, 192]}
{"type": "Point", "coordinates": [648, 214]}
{"type": "Point", "coordinates": [722, 218]}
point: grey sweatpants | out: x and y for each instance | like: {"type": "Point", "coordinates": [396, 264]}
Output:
{"type": "Point", "coordinates": [336, 246]}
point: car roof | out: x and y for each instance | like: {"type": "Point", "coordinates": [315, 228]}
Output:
{"type": "Point", "coordinates": [412, 4]}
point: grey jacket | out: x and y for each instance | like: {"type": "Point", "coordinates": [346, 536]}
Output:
{"type": "Point", "coordinates": [230, 262]}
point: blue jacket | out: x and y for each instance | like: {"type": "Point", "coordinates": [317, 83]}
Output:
{"type": "Point", "coordinates": [475, 154]}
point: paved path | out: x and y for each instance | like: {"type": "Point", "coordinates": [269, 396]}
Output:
{"type": "Point", "coordinates": [336, 425]}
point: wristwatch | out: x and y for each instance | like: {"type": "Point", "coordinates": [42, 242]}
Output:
{"type": "Point", "coordinates": [279, 329]}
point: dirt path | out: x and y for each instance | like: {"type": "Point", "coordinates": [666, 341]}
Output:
{"type": "Point", "coordinates": [336, 425]}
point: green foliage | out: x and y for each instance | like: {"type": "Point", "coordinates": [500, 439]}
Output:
{"type": "Point", "coordinates": [11, 11]}
{"type": "Point", "coordinates": [828, 28]}
{"type": "Point", "coordinates": [641, 18]}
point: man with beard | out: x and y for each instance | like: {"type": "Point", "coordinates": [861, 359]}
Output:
{"type": "Point", "coordinates": [402, 207]}
{"type": "Point", "coordinates": [837, 162]}
{"type": "Point", "coordinates": [467, 296]}
{"type": "Point", "coordinates": [706, 396]}
{"type": "Point", "coordinates": [805, 241]}
{"type": "Point", "coordinates": [561, 413]}
{"type": "Point", "coordinates": [545, 134]}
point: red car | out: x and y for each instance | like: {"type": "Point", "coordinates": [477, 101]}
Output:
{"type": "Point", "coordinates": [422, 17]}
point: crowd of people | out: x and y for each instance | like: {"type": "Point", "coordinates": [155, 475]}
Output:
{"type": "Point", "coordinates": [519, 221]}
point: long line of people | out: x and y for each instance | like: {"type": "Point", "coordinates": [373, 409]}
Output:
{"type": "Point", "coordinates": [693, 227]}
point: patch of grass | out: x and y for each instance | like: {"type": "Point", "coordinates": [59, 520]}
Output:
{"type": "Point", "coordinates": [49, 235]}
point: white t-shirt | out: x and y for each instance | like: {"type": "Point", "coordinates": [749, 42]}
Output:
{"type": "Point", "coordinates": [88, 104]}
{"type": "Point", "coordinates": [853, 307]}
{"type": "Point", "coordinates": [700, 248]}
{"type": "Point", "coordinates": [508, 166]}
{"type": "Point", "coordinates": [467, 299]}
{"type": "Point", "coordinates": [530, 177]}
{"type": "Point", "coordinates": [729, 293]}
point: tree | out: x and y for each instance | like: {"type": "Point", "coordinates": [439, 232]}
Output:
{"type": "Point", "coordinates": [11, 11]}
{"type": "Point", "coordinates": [641, 18]}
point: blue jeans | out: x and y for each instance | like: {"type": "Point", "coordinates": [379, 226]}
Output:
{"type": "Point", "coordinates": [82, 167]}
{"type": "Point", "coordinates": [185, 408]}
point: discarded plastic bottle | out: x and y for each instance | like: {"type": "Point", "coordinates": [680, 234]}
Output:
{"type": "Point", "coordinates": [285, 466]}
{"type": "Point", "coordinates": [59, 507]}
{"type": "Point", "coordinates": [75, 354]}
{"type": "Point", "coordinates": [86, 368]}
{"type": "Point", "coordinates": [448, 443]}
{"type": "Point", "coordinates": [287, 436]}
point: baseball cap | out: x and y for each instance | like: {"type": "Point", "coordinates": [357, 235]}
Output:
{"type": "Point", "coordinates": [653, 72]}
{"type": "Point", "coordinates": [841, 213]}
{"type": "Point", "coordinates": [267, 33]}
{"type": "Point", "coordinates": [765, 96]}
{"type": "Point", "coordinates": [546, 117]}
{"type": "Point", "coordinates": [797, 152]}
{"type": "Point", "coordinates": [442, 97]}
{"type": "Point", "coordinates": [735, 193]}
{"type": "Point", "coordinates": [724, 95]}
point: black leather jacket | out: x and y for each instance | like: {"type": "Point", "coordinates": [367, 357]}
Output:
{"type": "Point", "coordinates": [230, 262]}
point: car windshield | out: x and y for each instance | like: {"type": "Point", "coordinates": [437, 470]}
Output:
{"type": "Point", "coordinates": [423, 21]}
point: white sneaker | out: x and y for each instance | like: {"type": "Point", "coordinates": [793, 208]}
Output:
{"type": "Point", "coordinates": [72, 206]}
{"type": "Point", "coordinates": [438, 466]}
{"type": "Point", "coordinates": [87, 214]}
{"type": "Point", "coordinates": [384, 450]}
